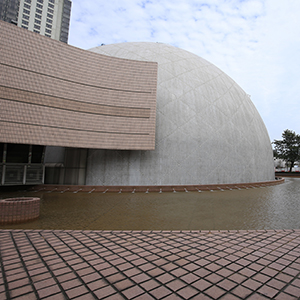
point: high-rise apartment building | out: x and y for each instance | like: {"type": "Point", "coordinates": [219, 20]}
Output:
{"type": "Point", "coordinates": [47, 17]}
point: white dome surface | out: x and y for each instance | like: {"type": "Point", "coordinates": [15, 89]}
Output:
{"type": "Point", "coordinates": [207, 129]}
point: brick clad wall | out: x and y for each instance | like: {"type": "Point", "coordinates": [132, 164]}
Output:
{"type": "Point", "coordinates": [17, 210]}
{"type": "Point", "coordinates": [58, 95]}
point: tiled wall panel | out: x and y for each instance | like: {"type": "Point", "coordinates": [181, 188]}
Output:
{"type": "Point", "coordinates": [55, 94]}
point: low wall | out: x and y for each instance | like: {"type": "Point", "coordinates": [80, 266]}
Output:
{"type": "Point", "coordinates": [18, 210]}
{"type": "Point", "coordinates": [156, 188]}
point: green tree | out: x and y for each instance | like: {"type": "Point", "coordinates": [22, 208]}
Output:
{"type": "Point", "coordinates": [288, 149]}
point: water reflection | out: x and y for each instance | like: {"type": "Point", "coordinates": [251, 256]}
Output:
{"type": "Point", "coordinates": [275, 207]}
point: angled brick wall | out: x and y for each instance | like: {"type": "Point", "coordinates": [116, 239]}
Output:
{"type": "Point", "coordinates": [55, 94]}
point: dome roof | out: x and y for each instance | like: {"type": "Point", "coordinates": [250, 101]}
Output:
{"type": "Point", "coordinates": [207, 128]}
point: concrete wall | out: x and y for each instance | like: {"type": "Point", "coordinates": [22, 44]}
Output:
{"type": "Point", "coordinates": [207, 128]}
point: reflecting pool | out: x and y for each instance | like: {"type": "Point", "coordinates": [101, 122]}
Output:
{"type": "Point", "coordinates": [273, 207]}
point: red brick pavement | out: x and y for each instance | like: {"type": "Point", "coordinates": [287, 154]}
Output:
{"type": "Point", "coordinates": [44, 264]}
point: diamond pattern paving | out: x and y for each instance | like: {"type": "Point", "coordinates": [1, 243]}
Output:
{"type": "Point", "coordinates": [45, 264]}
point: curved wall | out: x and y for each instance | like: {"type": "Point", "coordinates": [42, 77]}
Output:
{"type": "Point", "coordinates": [207, 128]}
{"type": "Point", "coordinates": [58, 95]}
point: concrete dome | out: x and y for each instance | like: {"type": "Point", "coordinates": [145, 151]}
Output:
{"type": "Point", "coordinates": [207, 129]}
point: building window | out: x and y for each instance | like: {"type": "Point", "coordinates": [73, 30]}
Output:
{"type": "Point", "coordinates": [50, 16]}
{"type": "Point", "coordinates": [50, 10]}
{"type": "Point", "coordinates": [48, 25]}
{"type": "Point", "coordinates": [39, 11]}
{"type": "Point", "coordinates": [25, 22]}
{"type": "Point", "coordinates": [23, 26]}
{"type": "Point", "coordinates": [37, 154]}
{"type": "Point", "coordinates": [26, 11]}
{"type": "Point", "coordinates": [17, 153]}
{"type": "Point", "coordinates": [28, 1]}
{"type": "Point", "coordinates": [36, 31]}
{"type": "Point", "coordinates": [49, 21]}
{"type": "Point", "coordinates": [52, 1]}
{"type": "Point", "coordinates": [38, 16]}
{"type": "Point", "coordinates": [39, 6]}
{"type": "Point", "coordinates": [47, 35]}
{"type": "Point", "coordinates": [48, 31]}
{"type": "Point", "coordinates": [37, 21]}
{"type": "Point", "coordinates": [51, 5]}
{"type": "Point", "coordinates": [40, 1]}
{"type": "Point", "coordinates": [25, 17]}
{"type": "Point", "coordinates": [26, 6]}
{"type": "Point", "coordinates": [37, 27]}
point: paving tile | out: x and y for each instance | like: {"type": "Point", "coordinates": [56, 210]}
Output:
{"type": "Point", "coordinates": [201, 296]}
{"type": "Point", "coordinates": [175, 285]}
{"type": "Point", "coordinates": [160, 292]}
{"type": "Point", "coordinates": [134, 271]}
{"type": "Point", "coordinates": [30, 296]}
{"type": "Point", "coordinates": [133, 292]}
{"type": "Point", "coordinates": [253, 264]}
{"type": "Point", "coordinates": [229, 297]}
{"type": "Point", "coordinates": [84, 297]}
{"type": "Point", "coordinates": [257, 297]}
{"type": "Point", "coordinates": [291, 271]}
{"type": "Point", "coordinates": [172, 296]}
{"type": "Point", "coordinates": [201, 272]}
{"type": "Point", "coordinates": [18, 283]}
{"type": "Point", "coordinates": [261, 278]}
{"type": "Point", "coordinates": [215, 292]}
{"type": "Point", "coordinates": [268, 291]}
{"type": "Point", "coordinates": [284, 277]}
{"type": "Point", "coordinates": [115, 278]}
{"type": "Point", "coordinates": [48, 291]}
{"type": "Point", "coordinates": [21, 291]}
{"type": "Point", "coordinates": [213, 278]}
{"type": "Point", "coordinates": [227, 284]}
{"type": "Point", "coordinates": [202, 284]}
{"type": "Point", "coordinates": [105, 292]}
{"type": "Point", "coordinates": [224, 272]}
{"type": "Point", "coordinates": [164, 278]}
{"type": "Point", "coordinates": [145, 296]}
{"type": "Point", "coordinates": [252, 284]}
{"type": "Point", "coordinates": [44, 283]}
{"type": "Point", "coordinates": [179, 272]}
{"type": "Point", "coordinates": [189, 278]}
{"type": "Point", "coordinates": [214, 267]}
{"type": "Point", "coordinates": [241, 291]}
{"type": "Point", "coordinates": [293, 291]}
{"type": "Point", "coordinates": [284, 296]}
{"type": "Point", "coordinates": [71, 284]}
{"type": "Point", "coordinates": [277, 284]}
{"type": "Point", "coordinates": [187, 292]}
{"type": "Point", "coordinates": [234, 267]}
{"type": "Point", "coordinates": [66, 277]}
{"type": "Point", "coordinates": [150, 285]}
{"type": "Point", "coordinates": [96, 285]}
{"type": "Point", "coordinates": [140, 278]}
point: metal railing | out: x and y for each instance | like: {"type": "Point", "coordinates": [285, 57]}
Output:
{"type": "Point", "coordinates": [21, 174]}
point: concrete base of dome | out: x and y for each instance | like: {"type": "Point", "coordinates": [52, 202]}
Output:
{"type": "Point", "coordinates": [158, 188]}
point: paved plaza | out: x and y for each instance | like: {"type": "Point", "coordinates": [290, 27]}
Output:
{"type": "Point", "coordinates": [47, 264]}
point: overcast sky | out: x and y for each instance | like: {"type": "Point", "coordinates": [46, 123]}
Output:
{"type": "Point", "coordinates": [255, 42]}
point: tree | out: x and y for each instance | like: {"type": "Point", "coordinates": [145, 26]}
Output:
{"type": "Point", "coordinates": [288, 149]}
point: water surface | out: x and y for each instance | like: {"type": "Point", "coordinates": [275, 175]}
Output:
{"type": "Point", "coordinates": [274, 207]}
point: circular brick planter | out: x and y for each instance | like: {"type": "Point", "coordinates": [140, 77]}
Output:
{"type": "Point", "coordinates": [18, 210]}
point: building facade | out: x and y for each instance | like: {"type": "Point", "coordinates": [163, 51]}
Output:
{"type": "Point", "coordinates": [77, 100]}
{"type": "Point", "coordinates": [50, 18]}
{"type": "Point", "coordinates": [129, 114]}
